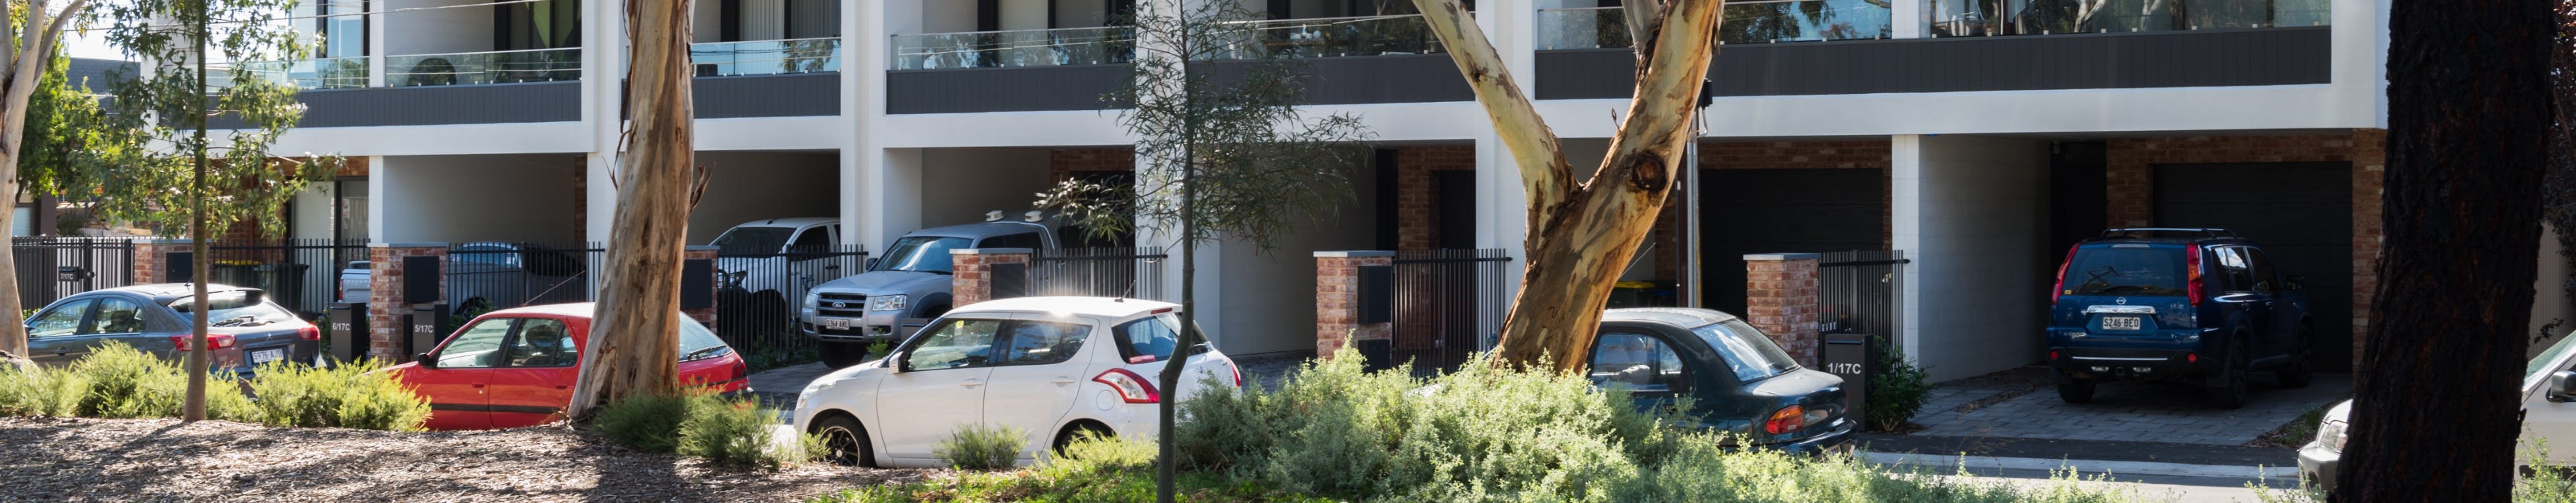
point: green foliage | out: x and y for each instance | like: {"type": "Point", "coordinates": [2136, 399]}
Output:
{"type": "Point", "coordinates": [1092, 470]}
{"type": "Point", "coordinates": [40, 392]}
{"type": "Point", "coordinates": [156, 139]}
{"type": "Point", "coordinates": [733, 433]}
{"type": "Point", "coordinates": [1899, 390]}
{"type": "Point", "coordinates": [980, 447]}
{"type": "Point", "coordinates": [126, 383]}
{"type": "Point", "coordinates": [650, 422]}
{"type": "Point", "coordinates": [348, 396]}
{"type": "Point", "coordinates": [758, 361]}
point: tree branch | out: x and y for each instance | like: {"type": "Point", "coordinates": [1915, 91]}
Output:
{"type": "Point", "coordinates": [1546, 179]}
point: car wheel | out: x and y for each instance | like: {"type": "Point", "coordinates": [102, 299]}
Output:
{"type": "Point", "coordinates": [843, 354]}
{"type": "Point", "coordinates": [2074, 390]}
{"type": "Point", "coordinates": [2230, 391]}
{"type": "Point", "coordinates": [1077, 431]}
{"type": "Point", "coordinates": [2297, 373]}
{"type": "Point", "coordinates": [844, 441]}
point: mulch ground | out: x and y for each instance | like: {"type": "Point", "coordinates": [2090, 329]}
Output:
{"type": "Point", "coordinates": [57, 459]}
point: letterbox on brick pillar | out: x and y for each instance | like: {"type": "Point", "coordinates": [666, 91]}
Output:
{"type": "Point", "coordinates": [1353, 299]}
{"type": "Point", "coordinates": [698, 285]}
{"type": "Point", "coordinates": [153, 259]}
{"type": "Point", "coordinates": [988, 273]}
{"type": "Point", "coordinates": [389, 309]}
{"type": "Point", "coordinates": [1780, 299]}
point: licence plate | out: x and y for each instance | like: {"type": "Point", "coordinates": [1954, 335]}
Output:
{"type": "Point", "coordinates": [2120, 323]}
{"type": "Point", "coordinates": [267, 355]}
{"type": "Point", "coordinates": [836, 323]}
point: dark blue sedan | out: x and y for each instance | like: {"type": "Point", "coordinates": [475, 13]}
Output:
{"type": "Point", "coordinates": [1740, 381]}
{"type": "Point", "coordinates": [246, 329]}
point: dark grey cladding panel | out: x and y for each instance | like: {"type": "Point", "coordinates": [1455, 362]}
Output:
{"type": "Point", "coordinates": [787, 95]}
{"type": "Point", "coordinates": [1411, 78]}
{"type": "Point", "coordinates": [1077, 87]}
{"type": "Point", "coordinates": [437, 105]}
{"type": "Point", "coordinates": [2083, 61]}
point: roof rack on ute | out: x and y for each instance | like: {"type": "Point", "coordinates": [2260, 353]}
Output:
{"type": "Point", "coordinates": [2157, 232]}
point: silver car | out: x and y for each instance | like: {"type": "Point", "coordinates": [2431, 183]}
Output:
{"type": "Point", "coordinates": [246, 328]}
{"type": "Point", "coordinates": [2548, 407]}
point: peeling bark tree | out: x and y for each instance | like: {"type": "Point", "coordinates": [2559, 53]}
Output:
{"type": "Point", "coordinates": [2439, 387]}
{"type": "Point", "coordinates": [23, 63]}
{"type": "Point", "coordinates": [635, 335]}
{"type": "Point", "coordinates": [1583, 233]}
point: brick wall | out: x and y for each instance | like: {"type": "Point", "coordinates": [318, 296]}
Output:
{"type": "Point", "coordinates": [1781, 300]}
{"type": "Point", "coordinates": [1064, 162]}
{"type": "Point", "coordinates": [705, 315]}
{"type": "Point", "coordinates": [1417, 199]}
{"type": "Point", "coordinates": [385, 303]}
{"type": "Point", "coordinates": [972, 280]}
{"type": "Point", "coordinates": [1337, 282]}
{"type": "Point", "coordinates": [2132, 187]}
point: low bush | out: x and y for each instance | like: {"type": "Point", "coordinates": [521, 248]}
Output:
{"type": "Point", "coordinates": [40, 392]}
{"type": "Point", "coordinates": [729, 432]}
{"type": "Point", "coordinates": [126, 383]}
{"type": "Point", "coordinates": [980, 447]}
{"type": "Point", "coordinates": [1091, 469]}
{"type": "Point", "coordinates": [347, 396]}
{"type": "Point", "coordinates": [1899, 389]}
{"type": "Point", "coordinates": [650, 422]}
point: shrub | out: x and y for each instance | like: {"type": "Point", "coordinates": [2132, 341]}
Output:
{"type": "Point", "coordinates": [649, 422]}
{"type": "Point", "coordinates": [347, 396]}
{"type": "Point", "coordinates": [1899, 389]}
{"type": "Point", "coordinates": [126, 383]}
{"type": "Point", "coordinates": [980, 447]}
{"type": "Point", "coordinates": [40, 392]}
{"type": "Point", "coordinates": [731, 432]}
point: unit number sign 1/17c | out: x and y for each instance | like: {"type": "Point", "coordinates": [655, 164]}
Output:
{"type": "Point", "coordinates": [1842, 368]}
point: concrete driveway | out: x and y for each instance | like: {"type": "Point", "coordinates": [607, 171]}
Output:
{"type": "Point", "coordinates": [2022, 404]}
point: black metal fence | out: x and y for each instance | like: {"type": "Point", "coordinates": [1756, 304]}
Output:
{"type": "Point", "coordinates": [757, 294]}
{"type": "Point", "coordinates": [1135, 273]}
{"type": "Point", "coordinates": [1446, 303]}
{"type": "Point", "coordinates": [485, 276]}
{"type": "Point", "coordinates": [51, 268]}
{"type": "Point", "coordinates": [1857, 290]}
{"type": "Point", "coordinates": [301, 274]}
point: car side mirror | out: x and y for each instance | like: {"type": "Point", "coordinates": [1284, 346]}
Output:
{"type": "Point", "coordinates": [2559, 384]}
{"type": "Point", "coordinates": [872, 262]}
{"type": "Point", "coordinates": [2295, 281]}
{"type": "Point", "coordinates": [424, 361]}
{"type": "Point", "coordinates": [894, 362]}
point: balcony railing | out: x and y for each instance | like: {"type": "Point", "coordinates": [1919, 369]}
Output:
{"type": "Point", "coordinates": [1745, 23]}
{"type": "Point", "coordinates": [327, 73]}
{"type": "Point", "coordinates": [1016, 48]}
{"type": "Point", "coordinates": [1331, 37]}
{"type": "Point", "coordinates": [496, 67]}
{"type": "Point", "coordinates": [767, 57]}
{"type": "Point", "coordinates": [1976, 18]}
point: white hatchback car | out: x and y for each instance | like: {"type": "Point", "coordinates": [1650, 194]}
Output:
{"type": "Point", "coordinates": [1052, 366]}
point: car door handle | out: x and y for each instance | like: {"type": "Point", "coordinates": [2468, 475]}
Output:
{"type": "Point", "coordinates": [1063, 380]}
{"type": "Point", "coordinates": [563, 387]}
{"type": "Point", "coordinates": [972, 383]}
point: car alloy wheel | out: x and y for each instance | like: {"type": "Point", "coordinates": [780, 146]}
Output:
{"type": "Point", "coordinates": [844, 441]}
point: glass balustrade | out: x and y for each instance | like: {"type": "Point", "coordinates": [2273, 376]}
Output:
{"type": "Point", "coordinates": [1745, 23]}
{"type": "Point", "coordinates": [766, 57]}
{"type": "Point", "coordinates": [1327, 38]}
{"type": "Point", "coordinates": [497, 67]}
{"type": "Point", "coordinates": [1977, 18]}
{"type": "Point", "coordinates": [1018, 48]}
{"type": "Point", "coordinates": [328, 73]}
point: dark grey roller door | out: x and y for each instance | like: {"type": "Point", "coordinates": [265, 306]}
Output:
{"type": "Point", "coordinates": [1748, 211]}
{"type": "Point", "coordinates": [2301, 214]}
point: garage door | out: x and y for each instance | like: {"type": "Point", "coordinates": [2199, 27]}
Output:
{"type": "Point", "coordinates": [2300, 213]}
{"type": "Point", "coordinates": [1747, 211]}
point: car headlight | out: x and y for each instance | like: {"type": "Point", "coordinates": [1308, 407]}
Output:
{"type": "Point", "coordinates": [886, 303]}
{"type": "Point", "coordinates": [812, 299]}
{"type": "Point", "coordinates": [2331, 436]}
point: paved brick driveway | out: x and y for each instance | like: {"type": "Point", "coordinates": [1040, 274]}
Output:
{"type": "Point", "coordinates": [2021, 403]}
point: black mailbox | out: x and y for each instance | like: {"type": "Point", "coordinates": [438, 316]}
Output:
{"type": "Point", "coordinates": [428, 325]}
{"type": "Point", "coordinates": [1850, 356]}
{"type": "Point", "coordinates": [349, 340]}
{"type": "Point", "coordinates": [697, 284]}
{"type": "Point", "coordinates": [71, 273]}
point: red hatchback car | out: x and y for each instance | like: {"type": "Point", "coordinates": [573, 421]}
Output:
{"type": "Point", "coordinates": [515, 367]}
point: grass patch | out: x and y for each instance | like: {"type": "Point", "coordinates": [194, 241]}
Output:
{"type": "Point", "coordinates": [1092, 469]}
{"type": "Point", "coordinates": [2298, 432]}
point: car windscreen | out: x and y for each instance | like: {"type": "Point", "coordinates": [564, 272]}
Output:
{"type": "Point", "coordinates": [752, 240]}
{"type": "Point", "coordinates": [1747, 352]}
{"type": "Point", "coordinates": [922, 254]}
{"type": "Point", "coordinates": [234, 309]}
{"type": "Point", "coordinates": [698, 343]}
{"type": "Point", "coordinates": [2126, 271]}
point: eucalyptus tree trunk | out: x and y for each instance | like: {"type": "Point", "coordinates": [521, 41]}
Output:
{"type": "Point", "coordinates": [25, 66]}
{"type": "Point", "coordinates": [1582, 233]}
{"type": "Point", "coordinates": [634, 337]}
{"type": "Point", "coordinates": [2438, 393]}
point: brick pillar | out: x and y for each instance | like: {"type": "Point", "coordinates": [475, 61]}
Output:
{"type": "Point", "coordinates": [973, 281]}
{"type": "Point", "coordinates": [707, 315]}
{"type": "Point", "coordinates": [1337, 300]}
{"type": "Point", "coordinates": [152, 259]}
{"type": "Point", "coordinates": [385, 303]}
{"type": "Point", "coordinates": [1780, 299]}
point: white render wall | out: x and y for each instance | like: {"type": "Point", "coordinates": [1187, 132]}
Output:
{"type": "Point", "coordinates": [746, 186]}
{"type": "Point", "coordinates": [461, 198]}
{"type": "Point", "coordinates": [1971, 212]}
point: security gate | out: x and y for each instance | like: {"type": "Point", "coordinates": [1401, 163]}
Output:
{"type": "Point", "coordinates": [1857, 291]}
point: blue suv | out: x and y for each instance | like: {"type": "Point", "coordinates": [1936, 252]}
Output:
{"type": "Point", "coordinates": [2201, 306]}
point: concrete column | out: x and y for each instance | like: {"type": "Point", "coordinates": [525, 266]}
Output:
{"type": "Point", "coordinates": [152, 260]}
{"type": "Point", "coordinates": [1970, 211]}
{"type": "Point", "coordinates": [705, 315]}
{"type": "Point", "coordinates": [1337, 300]}
{"type": "Point", "coordinates": [884, 202]}
{"type": "Point", "coordinates": [973, 280]}
{"type": "Point", "coordinates": [1780, 299]}
{"type": "Point", "coordinates": [1907, 18]}
{"type": "Point", "coordinates": [385, 303]}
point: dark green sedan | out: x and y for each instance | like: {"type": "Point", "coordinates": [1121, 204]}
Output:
{"type": "Point", "coordinates": [1740, 380]}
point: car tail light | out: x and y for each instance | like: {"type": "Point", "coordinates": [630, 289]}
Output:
{"type": "Point", "coordinates": [308, 333]}
{"type": "Point", "coordinates": [1788, 419]}
{"type": "Point", "coordinates": [1131, 387]}
{"type": "Point", "coordinates": [2060, 290]}
{"type": "Point", "coordinates": [1238, 373]}
{"type": "Point", "coordinates": [2191, 357]}
{"type": "Point", "coordinates": [213, 341]}
{"type": "Point", "coordinates": [740, 371]}
{"type": "Point", "coordinates": [2191, 262]}
{"type": "Point", "coordinates": [2052, 355]}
